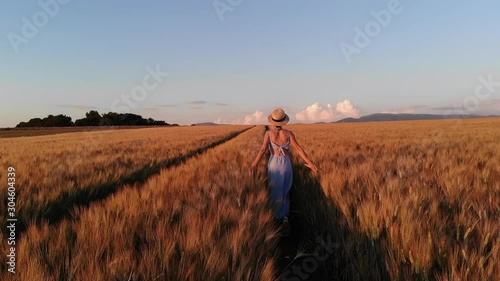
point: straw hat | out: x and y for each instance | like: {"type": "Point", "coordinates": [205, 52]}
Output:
{"type": "Point", "coordinates": [278, 117]}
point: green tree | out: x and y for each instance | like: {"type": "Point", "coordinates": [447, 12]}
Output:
{"type": "Point", "coordinates": [93, 118]}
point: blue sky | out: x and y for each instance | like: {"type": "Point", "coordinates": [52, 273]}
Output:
{"type": "Point", "coordinates": [236, 66]}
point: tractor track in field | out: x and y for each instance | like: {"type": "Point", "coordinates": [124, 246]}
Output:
{"type": "Point", "coordinates": [288, 256]}
{"type": "Point", "coordinates": [313, 250]}
{"type": "Point", "coordinates": [61, 208]}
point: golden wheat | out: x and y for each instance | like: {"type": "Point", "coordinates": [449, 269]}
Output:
{"type": "Point", "coordinates": [57, 172]}
{"type": "Point", "coordinates": [413, 200]}
{"type": "Point", "coordinates": [204, 220]}
{"type": "Point", "coordinates": [428, 193]}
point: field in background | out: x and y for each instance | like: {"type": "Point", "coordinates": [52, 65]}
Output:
{"type": "Point", "coordinates": [58, 172]}
{"type": "Point", "coordinates": [33, 132]}
{"type": "Point", "coordinates": [415, 200]}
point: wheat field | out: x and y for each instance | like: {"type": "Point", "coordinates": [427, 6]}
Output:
{"type": "Point", "coordinates": [59, 171]}
{"type": "Point", "coordinates": [416, 200]}
{"type": "Point", "coordinates": [420, 199]}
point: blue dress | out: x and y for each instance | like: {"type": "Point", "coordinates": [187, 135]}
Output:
{"type": "Point", "coordinates": [280, 174]}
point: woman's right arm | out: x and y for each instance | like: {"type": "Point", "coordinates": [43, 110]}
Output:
{"type": "Point", "coordinates": [302, 153]}
{"type": "Point", "coordinates": [261, 152]}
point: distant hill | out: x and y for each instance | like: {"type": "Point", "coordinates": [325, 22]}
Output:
{"type": "Point", "coordinates": [406, 116]}
{"type": "Point", "coordinates": [206, 124]}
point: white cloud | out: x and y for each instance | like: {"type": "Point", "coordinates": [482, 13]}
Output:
{"type": "Point", "coordinates": [347, 109]}
{"type": "Point", "coordinates": [327, 113]}
{"type": "Point", "coordinates": [255, 118]}
{"type": "Point", "coordinates": [313, 113]}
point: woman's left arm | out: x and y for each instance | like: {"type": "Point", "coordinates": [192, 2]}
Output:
{"type": "Point", "coordinates": [302, 153]}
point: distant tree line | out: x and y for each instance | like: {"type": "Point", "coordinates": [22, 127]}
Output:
{"type": "Point", "coordinates": [93, 118]}
{"type": "Point", "coordinates": [49, 121]}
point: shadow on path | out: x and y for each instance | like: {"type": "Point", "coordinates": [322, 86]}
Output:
{"type": "Point", "coordinates": [322, 247]}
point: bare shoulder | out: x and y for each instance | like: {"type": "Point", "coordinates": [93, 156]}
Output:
{"type": "Point", "coordinates": [267, 135]}
{"type": "Point", "coordinates": [292, 138]}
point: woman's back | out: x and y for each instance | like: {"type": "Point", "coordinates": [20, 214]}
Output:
{"type": "Point", "coordinates": [279, 140]}
{"type": "Point", "coordinates": [279, 166]}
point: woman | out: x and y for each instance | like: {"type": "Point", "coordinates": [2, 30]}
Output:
{"type": "Point", "coordinates": [279, 167]}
